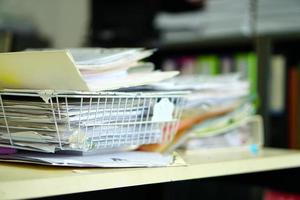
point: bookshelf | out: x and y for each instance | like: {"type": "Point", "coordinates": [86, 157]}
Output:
{"type": "Point", "coordinates": [40, 181]}
{"type": "Point", "coordinates": [266, 27]}
{"type": "Point", "coordinates": [228, 26]}
{"type": "Point", "coordinates": [263, 44]}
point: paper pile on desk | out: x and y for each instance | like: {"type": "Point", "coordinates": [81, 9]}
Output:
{"type": "Point", "coordinates": [218, 114]}
{"type": "Point", "coordinates": [31, 121]}
{"type": "Point", "coordinates": [86, 69]}
{"type": "Point", "coordinates": [70, 101]}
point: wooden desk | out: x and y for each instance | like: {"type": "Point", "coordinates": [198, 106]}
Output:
{"type": "Point", "coordinates": [28, 181]}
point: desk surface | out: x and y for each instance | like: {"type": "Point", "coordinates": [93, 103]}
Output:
{"type": "Point", "coordinates": [28, 181]}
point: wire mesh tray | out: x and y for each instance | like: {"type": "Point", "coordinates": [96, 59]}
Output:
{"type": "Point", "coordinates": [49, 122]}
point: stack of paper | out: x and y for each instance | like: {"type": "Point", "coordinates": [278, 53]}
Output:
{"type": "Point", "coordinates": [87, 122]}
{"type": "Point", "coordinates": [245, 132]}
{"type": "Point", "coordinates": [217, 113]}
{"type": "Point", "coordinates": [29, 119]}
{"type": "Point", "coordinates": [93, 125]}
{"type": "Point", "coordinates": [115, 160]}
{"type": "Point", "coordinates": [58, 100]}
{"type": "Point", "coordinates": [72, 70]}
{"type": "Point", "coordinates": [70, 101]}
{"type": "Point", "coordinates": [78, 69]}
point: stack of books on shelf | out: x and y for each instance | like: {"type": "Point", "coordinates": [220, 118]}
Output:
{"type": "Point", "coordinates": [218, 18]}
{"type": "Point", "coordinates": [219, 114]}
{"type": "Point", "coordinates": [76, 104]}
{"type": "Point", "coordinates": [278, 17]}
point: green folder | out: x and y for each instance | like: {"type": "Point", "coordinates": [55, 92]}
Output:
{"type": "Point", "coordinates": [246, 64]}
{"type": "Point", "coordinates": [208, 64]}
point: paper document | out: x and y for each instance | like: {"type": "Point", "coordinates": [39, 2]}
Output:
{"type": "Point", "coordinates": [79, 69]}
{"type": "Point", "coordinates": [242, 133]}
{"type": "Point", "coordinates": [116, 160]}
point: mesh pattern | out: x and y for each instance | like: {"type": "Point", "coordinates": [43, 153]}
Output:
{"type": "Point", "coordinates": [88, 122]}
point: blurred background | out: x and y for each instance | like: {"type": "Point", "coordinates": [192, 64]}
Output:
{"type": "Point", "coordinates": [257, 38]}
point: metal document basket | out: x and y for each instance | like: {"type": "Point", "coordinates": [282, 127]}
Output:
{"type": "Point", "coordinates": [49, 122]}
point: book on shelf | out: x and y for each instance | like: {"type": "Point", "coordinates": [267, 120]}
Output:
{"type": "Point", "coordinates": [277, 100]}
{"type": "Point", "coordinates": [207, 64]}
{"type": "Point", "coordinates": [246, 65]}
{"type": "Point", "coordinates": [298, 108]}
{"type": "Point", "coordinates": [277, 84]}
{"type": "Point", "coordinates": [293, 108]}
{"type": "Point", "coordinates": [272, 194]}
{"type": "Point", "coordinates": [6, 38]}
{"type": "Point", "coordinates": [226, 64]}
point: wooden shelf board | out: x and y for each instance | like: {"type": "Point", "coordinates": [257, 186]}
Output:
{"type": "Point", "coordinates": [29, 181]}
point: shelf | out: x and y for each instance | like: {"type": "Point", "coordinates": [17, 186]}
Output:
{"type": "Point", "coordinates": [185, 41]}
{"type": "Point", "coordinates": [196, 41]}
{"type": "Point", "coordinates": [29, 181]}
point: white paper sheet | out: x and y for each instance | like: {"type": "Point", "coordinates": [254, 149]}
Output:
{"type": "Point", "coordinates": [112, 160]}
